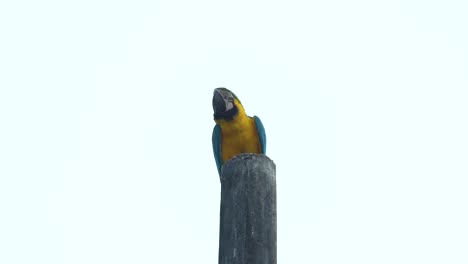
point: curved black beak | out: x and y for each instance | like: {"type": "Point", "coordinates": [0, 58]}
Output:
{"type": "Point", "coordinates": [219, 103]}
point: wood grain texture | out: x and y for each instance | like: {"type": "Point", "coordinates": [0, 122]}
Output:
{"type": "Point", "coordinates": [248, 211]}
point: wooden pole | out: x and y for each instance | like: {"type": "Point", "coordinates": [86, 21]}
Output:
{"type": "Point", "coordinates": [248, 211]}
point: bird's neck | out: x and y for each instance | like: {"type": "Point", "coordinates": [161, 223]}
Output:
{"type": "Point", "coordinates": [237, 121]}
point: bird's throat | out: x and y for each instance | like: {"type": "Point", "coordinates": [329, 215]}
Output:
{"type": "Point", "coordinates": [228, 115]}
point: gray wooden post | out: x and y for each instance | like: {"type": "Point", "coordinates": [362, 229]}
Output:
{"type": "Point", "coordinates": [248, 211]}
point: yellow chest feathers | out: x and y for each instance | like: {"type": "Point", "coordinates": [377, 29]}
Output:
{"type": "Point", "coordinates": [238, 136]}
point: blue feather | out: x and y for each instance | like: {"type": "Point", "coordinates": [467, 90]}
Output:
{"type": "Point", "coordinates": [261, 134]}
{"type": "Point", "coordinates": [216, 140]}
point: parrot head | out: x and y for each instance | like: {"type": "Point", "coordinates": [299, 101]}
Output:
{"type": "Point", "coordinates": [225, 104]}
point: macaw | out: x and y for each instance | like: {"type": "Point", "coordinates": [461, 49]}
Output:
{"type": "Point", "coordinates": [235, 132]}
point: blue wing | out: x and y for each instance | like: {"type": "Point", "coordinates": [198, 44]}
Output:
{"type": "Point", "coordinates": [216, 140]}
{"type": "Point", "coordinates": [261, 134]}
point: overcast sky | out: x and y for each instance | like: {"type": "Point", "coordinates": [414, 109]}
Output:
{"type": "Point", "coordinates": [106, 121]}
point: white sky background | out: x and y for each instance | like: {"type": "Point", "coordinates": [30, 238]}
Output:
{"type": "Point", "coordinates": [106, 121]}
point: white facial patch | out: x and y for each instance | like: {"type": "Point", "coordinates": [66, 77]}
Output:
{"type": "Point", "coordinates": [229, 106]}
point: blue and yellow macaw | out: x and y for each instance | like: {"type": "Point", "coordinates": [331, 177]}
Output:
{"type": "Point", "coordinates": [235, 132]}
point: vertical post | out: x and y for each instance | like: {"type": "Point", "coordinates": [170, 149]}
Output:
{"type": "Point", "coordinates": [248, 211]}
